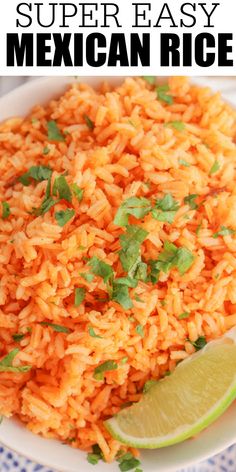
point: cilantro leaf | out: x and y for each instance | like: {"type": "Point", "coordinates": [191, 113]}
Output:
{"type": "Point", "coordinates": [87, 277]}
{"type": "Point", "coordinates": [163, 96]}
{"type": "Point", "coordinates": [89, 122]}
{"type": "Point", "coordinates": [134, 236]}
{"type": "Point", "coordinates": [224, 231]}
{"type": "Point", "coordinates": [130, 243]}
{"type": "Point", "coordinates": [54, 133]}
{"type": "Point", "coordinates": [62, 188]}
{"type": "Point", "coordinates": [154, 271]}
{"type": "Point", "coordinates": [128, 462]}
{"type": "Point", "coordinates": [5, 210]}
{"type": "Point", "coordinates": [63, 217]}
{"type": "Point", "coordinates": [165, 209]}
{"type": "Point", "coordinates": [184, 260]}
{"type": "Point", "coordinates": [139, 270]}
{"type": "Point", "coordinates": [199, 343]}
{"type": "Point", "coordinates": [95, 456]}
{"type": "Point", "coordinates": [214, 168]}
{"type": "Point", "coordinates": [120, 294]}
{"type": "Point", "coordinates": [46, 205]}
{"type": "Point", "coordinates": [6, 363]}
{"type": "Point", "coordinates": [150, 79]}
{"type": "Point", "coordinates": [149, 384]}
{"type": "Point", "coordinates": [101, 269]}
{"type": "Point", "coordinates": [190, 200]}
{"type": "Point", "coordinates": [128, 281]}
{"type": "Point", "coordinates": [37, 173]}
{"type": "Point", "coordinates": [139, 330]}
{"type": "Point", "coordinates": [106, 366]}
{"type": "Point", "coordinates": [135, 206]}
{"type": "Point", "coordinates": [178, 125]}
{"type": "Point", "coordinates": [170, 257]}
{"type": "Point", "coordinates": [18, 337]}
{"type": "Point", "coordinates": [184, 315]}
{"type": "Point", "coordinates": [79, 296]}
{"type": "Point", "coordinates": [92, 458]}
{"type": "Point", "coordinates": [77, 191]}
{"type": "Point", "coordinates": [56, 327]}
{"type": "Point", "coordinates": [138, 299]}
{"type": "Point", "coordinates": [46, 150]}
{"type": "Point", "coordinates": [184, 163]}
{"type": "Point", "coordinates": [93, 334]}
{"type": "Point", "coordinates": [124, 360]}
{"type": "Point", "coordinates": [198, 228]}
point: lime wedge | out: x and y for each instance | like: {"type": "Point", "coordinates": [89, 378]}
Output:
{"type": "Point", "coordinates": [183, 404]}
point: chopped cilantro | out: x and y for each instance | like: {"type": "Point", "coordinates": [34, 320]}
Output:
{"type": "Point", "coordinates": [198, 228]}
{"type": "Point", "coordinates": [6, 211]}
{"type": "Point", "coordinates": [56, 327]}
{"type": "Point", "coordinates": [163, 302]}
{"type": "Point", "coordinates": [135, 206]}
{"type": "Point", "coordinates": [92, 458]}
{"type": "Point", "coordinates": [18, 337]}
{"type": "Point", "coordinates": [214, 168]}
{"type": "Point", "coordinates": [139, 330]}
{"type": "Point", "coordinates": [46, 150]}
{"type": "Point", "coordinates": [163, 96]}
{"type": "Point", "coordinates": [165, 209]}
{"type": "Point", "coordinates": [106, 366]}
{"type": "Point", "coordinates": [62, 188]}
{"type": "Point", "coordinates": [199, 343]}
{"type": "Point", "coordinates": [124, 360]}
{"type": "Point", "coordinates": [77, 191]}
{"type": "Point", "coordinates": [178, 125]}
{"type": "Point", "coordinates": [87, 277]}
{"type": "Point", "coordinates": [93, 334]}
{"type": "Point", "coordinates": [34, 120]}
{"type": "Point", "coordinates": [46, 205]}
{"type": "Point", "coordinates": [128, 462]}
{"type": "Point", "coordinates": [63, 217]}
{"type": "Point", "coordinates": [127, 281]}
{"type": "Point", "coordinates": [149, 384]}
{"type": "Point", "coordinates": [120, 294]}
{"type": "Point", "coordinates": [130, 243]}
{"type": "Point", "coordinates": [170, 257]}
{"type": "Point", "coordinates": [138, 299]}
{"type": "Point", "coordinates": [89, 122]}
{"type": "Point", "coordinates": [95, 456]}
{"type": "Point", "coordinates": [54, 133]}
{"type": "Point", "coordinates": [150, 79]}
{"type": "Point", "coordinates": [190, 200]}
{"type": "Point", "coordinates": [184, 163]}
{"type": "Point", "coordinates": [79, 296]}
{"type": "Point", "coordinates": [6, 363]}
{"type": "Point", "coordinates": [37, 173]}
{"type": "Point", "coordinates": [184, 315]}
{"type": "Point", "coordinates": [101, 269]}
{"type": "Point", "coordinates": [224, 231]}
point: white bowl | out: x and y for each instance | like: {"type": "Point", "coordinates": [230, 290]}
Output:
{"type": "Point", "coordinates": [53, 453]}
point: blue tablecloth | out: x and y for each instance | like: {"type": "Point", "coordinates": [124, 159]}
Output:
{"type": "Point", "coordinates": [11, 462]}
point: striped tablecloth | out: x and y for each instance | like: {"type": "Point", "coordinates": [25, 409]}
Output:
{"type": "Point", "coordinates": [225, 462]}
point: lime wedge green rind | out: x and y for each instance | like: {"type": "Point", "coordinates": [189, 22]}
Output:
{"type": "Point", "coordinates": [180, 406]}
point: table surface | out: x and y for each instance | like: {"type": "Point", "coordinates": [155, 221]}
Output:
{"type": "Point", "coordinates": [12, 462]}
